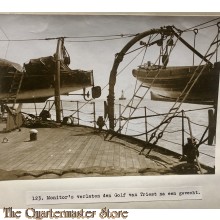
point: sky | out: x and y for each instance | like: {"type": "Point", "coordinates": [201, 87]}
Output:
{"type": "Point", "coordinates": [97, 55]}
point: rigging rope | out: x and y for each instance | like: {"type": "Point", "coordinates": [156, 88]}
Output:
{"type": "Point", "coordinates": [194, 43]}
{"type": "Point", "coordinates": [207, 26]}
{"type": "Point", "coordinates": [171, 142]}
{"type": "Point", "coordinates": [99, 40]}
{"type": "Point", "coordinates": [186, 92]}
{"type": "Point", "coordinates": [113, 37]}
{"type": "Point", "coordinates": [159, 70]}
{"type": "Point", "coordinates": [118, 72]}
{"type": "Point", "coordinates": [117, 75]}
{"type": "Point", "coordinates": [7, 39]}
{"type": "Point", "coordinates": [189, 29]}
{"type": "Point", "coordinates": [137, 81]}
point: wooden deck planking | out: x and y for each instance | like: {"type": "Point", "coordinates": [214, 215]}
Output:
{"type": "Point", "coordinates": [8, 148]}
{"type": "Point", "coordinates": [134, 157]}
{"type": "Point", "coordinates": [40, 156]}
{"type": "Point", "coordinates": [99, 155]}
{"type": "Point", "coordinates": [129, 159]}
{"type": "Point", "coordinates": [70, 148]}
{"type": "Point", "coordinates": [61, 153]}
{"type": "Point", "coordinates": [132, 160]}
{"type": "Point", "coordinates": [97, 144]}
{"type": "Point", "coordinates": [105, 154]}
{"type": "Point", "coordinates": [78, 148]}
{"type": "Point", "coordinates": [116, 159]}
{"type": "Point", "coordinates": [110, 158]}
{"type": "Point", "coordinates": [74, 148]}
{"type": "Point", "coordinates": [57, 157]}
{"type": "Point", "coordinates": [49, 151]}
{"type": "Point", "coordinates": [123, 163]}
{"type": "Point", "coordinates": [10, 151]}
{"type": "Point", "coordinates": [44, 153]}
{"type": "Point", "coordinates": [23, 151]}
{"type": "Point", "coordinates": [142, 161]}
{"type": "Point", "coordinates": [81, 154]}
{"type": "Point", "coordinates": [38, 159]}
{"type": "Point", "coordinates": [89, 153]}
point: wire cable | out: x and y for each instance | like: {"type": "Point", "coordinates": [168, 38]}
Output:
{"type": "Point", "coordinates": [7, 39]}
{"type": "Point", "coordinates": [189, 29]}
{"type": "Point", "coordinates": [113, 37]}
{"type": "Point", "coordinates": [97, 40]}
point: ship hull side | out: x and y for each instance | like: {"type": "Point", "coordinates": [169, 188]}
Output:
{"type": "Point", "coordinates": [170, 82]}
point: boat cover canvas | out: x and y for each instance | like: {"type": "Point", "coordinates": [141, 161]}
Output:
{"type": "Point", "coordinates": [7, 64]}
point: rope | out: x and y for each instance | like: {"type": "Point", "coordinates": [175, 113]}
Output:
{"type": "Point", "coordinates": [130, 122]}
{"type": "Point", "coordinates": [189, 134]}
{"type": "Point", "coordinates": [171, 132]}
{"type": "Point", "coordinates": [197, 109]}
{"type": "Point", "coordinates": [195, 122]}
{"type": "Point", "coordinates": [73, 110]}
{"type": "Point", "coordinates": [7, 42]}
{"type": "Point", "coordinates": [75, 37]}
{"type": "Point", "coordinates": [117, 75]}
{"type": "Point", "coordinates": [82, 102]}
{"type": "Point", "coordinates": [154, 127]}
{"type": "Point", "coordinates": [161, 114]}
{"type": "Point", "coordinates": [194, 43]}
{"type": "Point", "coordinates": [198, 124]}
{"type": "Point", "coordinates": [129, 63]}
{"type": "Point", "coordinates": [206, 154]}
{"type": "Point", "coordinates": [137, 81]}
{"type": "Point", "coordinates": [171, 142]}
{"type": "Point", "coordinates": [100, 36]}
{"type": "Point", "coordinates": [101, 40]}
{"type": "Point", "coordinates": [186, 91]}
{"type": "Point", "coordinates": [131, 101]}
{"type": "Point", "coordinates": [138, 123]}
{"type": "Point", "coordinates": [137, 135]}
{"type": "Point", "coordinates": [135, 50]}
{"type": "Point", "coordinates": [207, 26]}
{"type": "Point", "coordinates": [149, 40]}
{"type": "Point", "coordinates": [6, 52]}
{"type": "Point", "coordinates": [135, 130]}
{"type": "Point", "coordinates": [201, 24]}
{"type": "Point", "coordinates": [85, 120]}
{"type": "Point", "coordinates": [141, 46]}
{"type": "Point", "coordinates": [203, 142]}
{"type": "Point", "coordinates": [30, 39]}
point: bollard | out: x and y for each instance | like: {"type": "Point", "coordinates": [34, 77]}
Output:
{"type": "Point", "coordinates": [33, 134]}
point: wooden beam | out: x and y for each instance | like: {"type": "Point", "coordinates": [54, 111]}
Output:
{"type": "Point", "coordinates": [57, 79]}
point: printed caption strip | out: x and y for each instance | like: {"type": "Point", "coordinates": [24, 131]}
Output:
{"type": "Point", "coordinates": [114, 195]}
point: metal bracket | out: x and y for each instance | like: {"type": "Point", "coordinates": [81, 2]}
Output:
{"type": "Point", "coordinates": [86, 95]}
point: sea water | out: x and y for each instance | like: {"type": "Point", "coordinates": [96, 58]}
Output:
{"type": "Point", "coordinates": [172, 136]}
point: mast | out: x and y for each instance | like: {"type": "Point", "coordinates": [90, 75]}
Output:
{"type": "Point", "coordinates": [58, 57]}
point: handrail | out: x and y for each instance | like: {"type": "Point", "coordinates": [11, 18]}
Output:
{"type": "Point", "coordinates": [86, 117]}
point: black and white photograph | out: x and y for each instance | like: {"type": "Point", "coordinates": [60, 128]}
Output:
{"type": "Point", "coordinates": [108, 95]}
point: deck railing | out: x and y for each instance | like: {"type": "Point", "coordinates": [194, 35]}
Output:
{"type": "Point", "coordinates": [183, 127]}
{"type": "Point", "coordinates": [80, 112]}
{"type": "Point", "coordinates": [140, 126]}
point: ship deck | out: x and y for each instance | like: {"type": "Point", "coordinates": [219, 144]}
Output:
{"type": "Point", "coordinates": [78, 152]}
